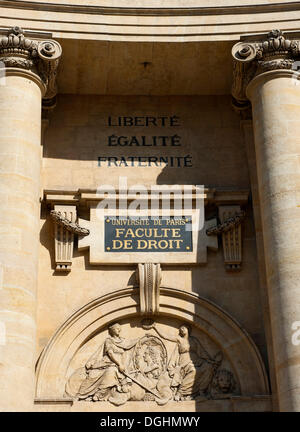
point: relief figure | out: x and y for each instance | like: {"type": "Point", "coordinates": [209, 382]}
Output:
{"type": "Point", "coordinates": [141, 369]}
{"type": "Point", "coordinates": [190, 366]}
{"type": "Point", "coordinates": [104, 371]}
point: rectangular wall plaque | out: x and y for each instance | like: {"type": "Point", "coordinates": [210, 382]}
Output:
{"type": "Point", "coordinates": [187, 247]}
{"type": "Point", "coordinates": [146, 234]}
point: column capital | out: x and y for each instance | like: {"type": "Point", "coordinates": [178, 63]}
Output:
{"type": "Point", "coordinates": [33, 57]}
{"type": "Point", "coordinates": [259, 54]}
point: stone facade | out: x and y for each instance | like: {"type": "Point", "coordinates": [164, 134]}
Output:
{"type": "Point", "coordinates": [100, 310]}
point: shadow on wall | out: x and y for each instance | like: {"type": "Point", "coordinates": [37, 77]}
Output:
{"type": "Point", "coordinates": [209, 146]}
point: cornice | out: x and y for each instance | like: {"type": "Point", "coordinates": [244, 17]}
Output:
{"type": "Point", "coordinates": [84, 197]}
{"type": "Point", "coordinates": [151, 11]}
{"type": "Point", "coordinates": [178, 23]}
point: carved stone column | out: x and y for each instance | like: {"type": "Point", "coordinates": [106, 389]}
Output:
{"type": "Point", "coordinates": [28, 70]}
{"type": "Point", "coordinates": [264, 74]}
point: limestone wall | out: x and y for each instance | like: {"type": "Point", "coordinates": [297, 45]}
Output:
{"type": "Point", "coordinates": [78, 133]}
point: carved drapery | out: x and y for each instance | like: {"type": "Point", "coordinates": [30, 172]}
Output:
{"type": "Point", "coordinates": [253, 57]}
{"type": "Point", "coordinates": [38, 57]}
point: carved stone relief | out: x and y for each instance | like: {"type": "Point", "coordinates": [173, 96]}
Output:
{"type": "Point", "coordinates": [158, 365]}
{"type": "Point", "coordinates": [215, 343]}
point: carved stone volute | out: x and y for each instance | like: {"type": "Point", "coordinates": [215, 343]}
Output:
{"type": "Point", "coordinates": [254, 57]}
{"type": "Point", "coordinates": [40, 57]}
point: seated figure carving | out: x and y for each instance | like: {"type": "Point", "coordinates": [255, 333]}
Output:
{"type": "Point", "coordinates": [105, 369]}
{"type": "Point", "coordinates": [141, 370]}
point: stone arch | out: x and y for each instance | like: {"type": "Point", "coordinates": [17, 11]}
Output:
{"type": "Point", "coordinates": [203, 314]}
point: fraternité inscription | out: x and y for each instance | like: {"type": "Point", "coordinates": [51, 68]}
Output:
{"type": "Point", "coordinates": [162, 136]}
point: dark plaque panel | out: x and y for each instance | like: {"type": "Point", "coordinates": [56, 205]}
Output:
{"type": "Point", "coordinates": [146, 234]}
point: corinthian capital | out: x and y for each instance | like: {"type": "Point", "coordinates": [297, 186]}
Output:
{"type": "Point", "coordinates": [258, 55]}
{"type": "Point", "coordinates": [40, 57]}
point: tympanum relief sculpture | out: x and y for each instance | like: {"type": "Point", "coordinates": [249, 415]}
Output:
{"type": "Point", "coordinates": [144, 369]}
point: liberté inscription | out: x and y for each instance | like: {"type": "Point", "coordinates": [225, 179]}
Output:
{"type": "Point", "coordinates": [144, 234]}
{"type": "Point", "coordinates": [162, 141]}
{"type": "Point", "coordinates": [144, 121]}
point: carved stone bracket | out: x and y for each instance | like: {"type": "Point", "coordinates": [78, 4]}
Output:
{"type": "Point", "coordinates": [261, 53]}
{"type": "Point", "coordinates": [149, 277]}
{"type": "Point", "coordinates": [231, 218]}
{"type": "Point", "coordinates": [40, 57]}
{"type": "Point", "coordinates": [65, 227]}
